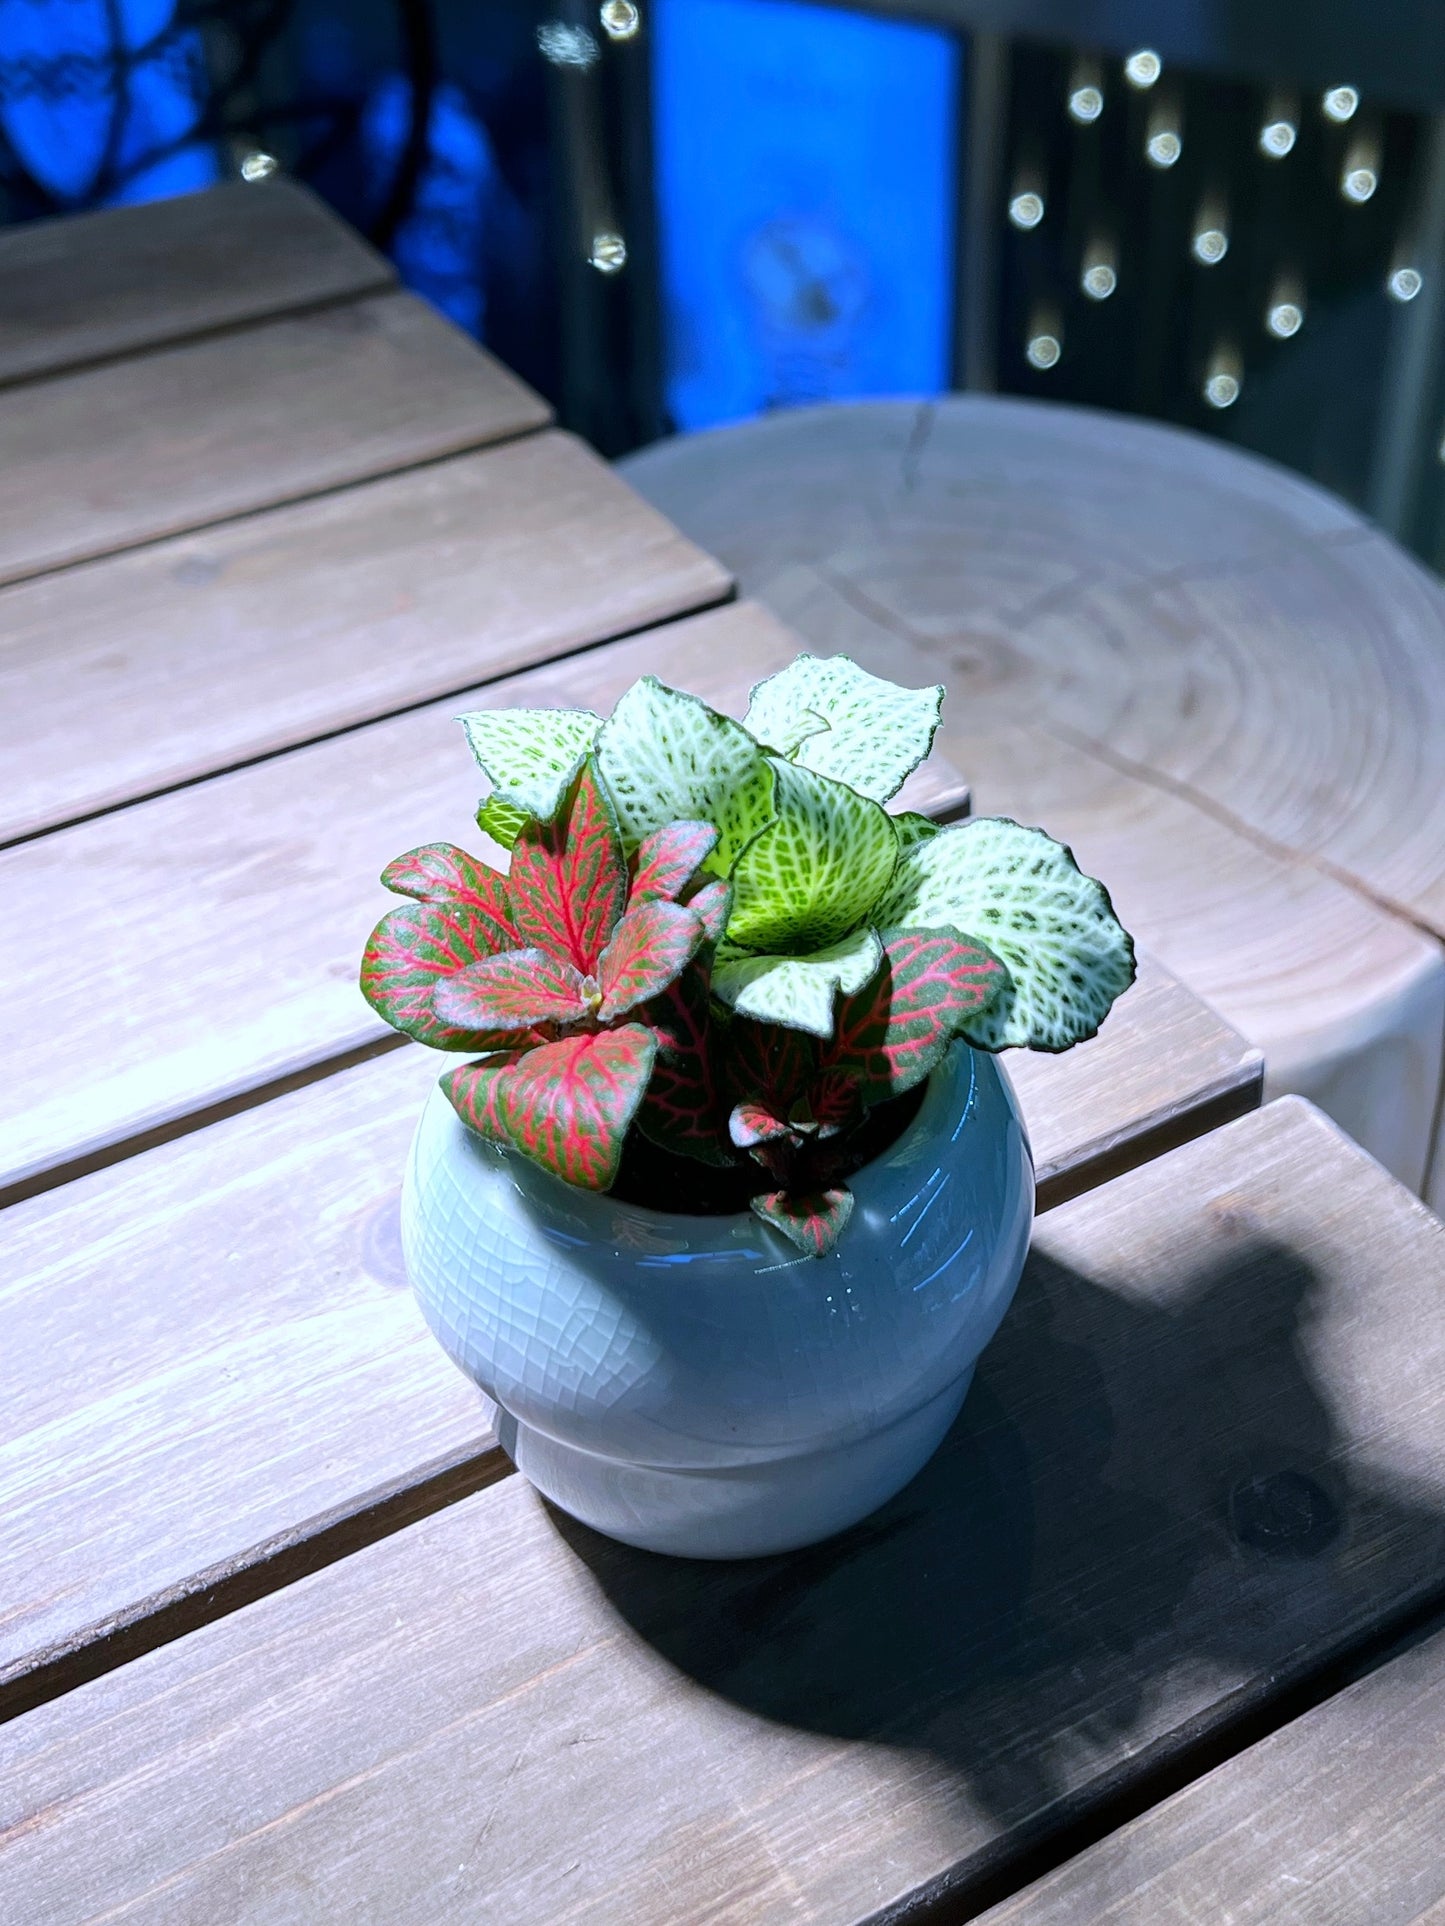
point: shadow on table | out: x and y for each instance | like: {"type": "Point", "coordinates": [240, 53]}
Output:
{"type": "Point", "coordinates": [1140, 1508]}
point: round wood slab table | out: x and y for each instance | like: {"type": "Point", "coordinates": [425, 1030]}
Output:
{"type": "Point", "coordinates": [1221, 685]}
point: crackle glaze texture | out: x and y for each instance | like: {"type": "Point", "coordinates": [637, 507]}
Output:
{"type": "Point", "coordinates": [695, 1384]}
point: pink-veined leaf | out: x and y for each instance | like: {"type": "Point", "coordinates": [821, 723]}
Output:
{"type": "Point", "coordinates": [896, 1028]}
{"type": "Point", "coordinates": [648, 950]}
{"type": "Point", "coordinates": [471, 1089]}
{"type": "Point", "coordinates": [813, 1220]}
{"type": "Point", "coordinates": [668, 860]}
{"type": "Point", "coordinates": [568, 881]}
{"type": "Point", "coordinates": [567, 1105]}
{"type": "Point", "coordinates": [767, 1063]}
{"type": "Point", "coordinates": [442, 873]}
{"type": "Point", "coordinates": [713, 903]}
{"type": "Point", "coordinates": [512, 991]}
{"type": "Point", "coordinates": [683, 1110]}
{"type": "Point", "coordinates": [834, 1103]}
{"type": "Point", "coordinates": [410, 951]}
{"type": "Point", "coordinates": [754, 1123]}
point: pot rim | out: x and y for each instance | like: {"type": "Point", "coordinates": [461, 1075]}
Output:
{"type": "Point", "coordinates": [543, 1186]}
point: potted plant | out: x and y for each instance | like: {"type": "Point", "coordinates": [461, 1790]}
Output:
{"type": "Point", "coordinates": [730, 1192]}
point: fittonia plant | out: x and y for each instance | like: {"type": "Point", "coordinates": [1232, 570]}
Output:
{"type": "Point", "coordinates": [713, 939]}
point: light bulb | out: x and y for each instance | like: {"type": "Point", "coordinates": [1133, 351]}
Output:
{"type": "Point", "coordinates": [1284, 319]}
{"type": "Point", "coordinates": [1043, 351]}
{"type": "Point", "coordinates": [1026, 210]}
{"type": "Point", "coordinates": [1086, 104]}
{"type": "Point", "coordinates": [1209, 246]}
{"type": "Point", "coordinates": [609, 253]}
{"type": "Point", "coordinates": [1341, 104]}
{"type": "Point", "coordinates": [1143, 68]}
{"type": "Point", "coordinates": [620, 19]}
{"type": "Point", "coordinates": [1099, 281]}
{"type": "Point", "coordinates": [1405, 283]}
{"type": "Point", "coordinates": [1223, 378]}
{"type": "Point", "coordinates": [258, 166]}
{"type": "Point", "coordinates": [1164, 143]}
{"type": "Point", "coordinates": [1277, 138]}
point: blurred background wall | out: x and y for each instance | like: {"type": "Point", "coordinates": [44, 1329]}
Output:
{"type": "Point", "coordinates": [671, 213]}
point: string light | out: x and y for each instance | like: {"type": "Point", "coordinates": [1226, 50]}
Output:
{"type": "Point", "coordinates": [1210, 241]}
{"type": "Point", "coordinates": [1026, 210]}
{"type": "Point", "coordinates": [1223, 378]}
{"type": "Point", "coordinates": [1142, 69]}
{"type": "Point", "coordinates": [258, 166]}
{"type": "Point", "coordinates": [1045, 343]}
{"type": "Point", "coordinates": [1340, 104]}
{"type": "Point", "coordinates": [1099, 277]}
{"type": "Point", "coordinates": [567, 46]}
{"type": "Point", "coordinates": [609, 253]}
{"type": "Point", "coordinates": [1404, 283]}
{"type": "Point", "coordinates": [620, 19]}
{"type": "Point", "coordinates": [1163, 142]}
{"type": "Point", "coordinates": [1277, 138]}
{"type": "Point", "coordinates": [1086, 96]}
{"type": "Point", "coordinates": [1285, 313]}
{"type": "Point", "coordinates": [1361, 175]}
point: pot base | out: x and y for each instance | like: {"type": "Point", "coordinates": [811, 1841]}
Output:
{"type": "Point", "coordinates": [735, 1511]}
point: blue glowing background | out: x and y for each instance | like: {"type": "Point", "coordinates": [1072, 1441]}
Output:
{"type": "Point", "coordinates": [805, 161]}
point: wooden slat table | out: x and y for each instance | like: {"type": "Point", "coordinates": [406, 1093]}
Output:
{"type": "Point", "coordinates": [1336, 1819]}
{"type": "Point", "coordinates": [93, 286]}
{"type": "Point", "coordinates": [281, 1634]}
{"type": "Point", "coordinates": [496, 1714]}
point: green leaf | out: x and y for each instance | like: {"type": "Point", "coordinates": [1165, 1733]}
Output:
{"type": "Point", "coordinates": [531, 755]}
{"type": "Point", "coordinates": [813, 1221]}
{"type": "Point", "coordinates": [649, 949]}
{"type": "Point", "coordinates": [797, 991]}
{"type": "Point", "coordinates": [912, 828]}
{"type": "Point", "coordinates": [414, 948]}
{"type": "Point", "coordinates": [1020, 894]}
{"type": "Point", "coordinates": [815, 872]}
{"type": "Point", "coordinates": [668, 860]}
{"type": "Point", "coordinates": [502, 821]}
{"type": "Point", "coordinates": [898, 1026]}
{"type": "Point", "coordinates": [566, 1105]}
{"type": "Point", "coordinates": [567, 881]}
{"type": "Point", "coordinates": [513, 991]}
{"type": "Point", "coordinates": [666, 757]}
{"type": "Point", "coordinates": [874, 733]}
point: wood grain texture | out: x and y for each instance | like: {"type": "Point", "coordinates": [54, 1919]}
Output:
{"type": "Point", "coordinates": [211, 1368]}
{"type": "Point", "coordinates": [207, 650]}
{"type": "Point", "coordinates": [211, 1358]}
{"type": "Point", "coordinates": [1205, 1454]}
{"type": "Point", "coordinates": [90, 286]}
{"type": "Point", "coordinates": [1215, 680]}
{"type": "Point", "coordinates": [110, 456]}
{"type": "Point", "coordinates": [1337, 1819]}
{"type": "Point", "coordinates": [211, 937]}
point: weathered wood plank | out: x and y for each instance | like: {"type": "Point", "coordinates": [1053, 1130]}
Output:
{"type": "Point", "coordinates": [1205, 1455]}
{"type": "Point", "coordinates": [1336, 1819]}
{"type": "Point", "coordinates": [89, 286]}
{"type": "Point", "coordinates": [211, 1365]}
{"type": "Point", "coordinates": [209, 1371]}
{"type": "Point", "coordinates": [211, 936]}
{"type": "Point", "coordinates": [110, 456]}
{"type": "Point", "coordinates": [208, 650]}
{"type": "Point", "coordinates": [1164, 1068]}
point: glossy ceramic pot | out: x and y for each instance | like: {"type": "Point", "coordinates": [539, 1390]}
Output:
{"type": "Point", "coordinates": [695, 1384]}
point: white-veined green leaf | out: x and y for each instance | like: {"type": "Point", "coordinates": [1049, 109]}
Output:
{"type": "Point", "coordinates": [874, 733]}
{"type": "Point", "coordinates": [502, 821]}
{"type": "Point", "coordinates": [913, 828]}
{"type": "Point", "coordinates": [798, 991]}
{"type": "Point", "coordinates": [817, 869]}
{"type": "Point", "coordinates": [666, 757]}
{"type": "Point", "coordinates": [1022, 895]}
{"type": "Point", "coordinates": [531, 755]}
